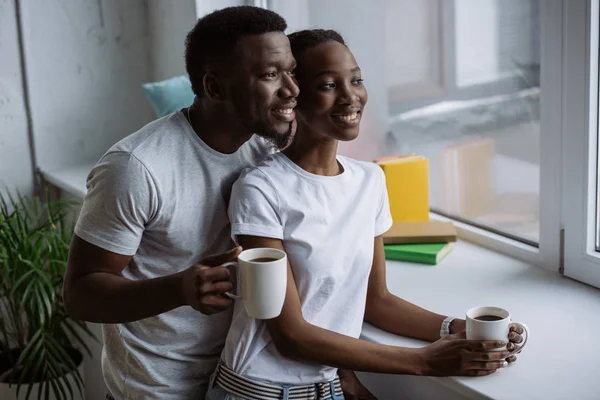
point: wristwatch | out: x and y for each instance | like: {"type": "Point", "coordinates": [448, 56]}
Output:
{"type": "Point", "coordinates": [445, 330]}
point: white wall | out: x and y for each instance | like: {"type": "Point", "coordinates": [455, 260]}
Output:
{"type": "Point", "coordinates": [15, 159]}
{"type": "Point", "coordinates": [204, 7]}
{"type": "Point", "coordinates": [86, 61]}
{"type": "Point", "coordinates": [368, 46]}
{"type": "Point", "coordinates": [168, 27]}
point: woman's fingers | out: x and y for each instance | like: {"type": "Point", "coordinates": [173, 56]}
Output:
{"type": "Point", "coordinates": [486, 366]}
{"type": "Point", "coordinates": [515, 337]}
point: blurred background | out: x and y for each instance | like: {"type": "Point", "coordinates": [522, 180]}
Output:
{"type": "Point", "coordinates": [454, 80]}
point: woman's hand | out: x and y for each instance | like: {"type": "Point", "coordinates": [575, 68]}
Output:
{"type": "Point", "coordinates": [353, 389]}
{"type": "Point", "coordinates": [454, 355]}
{"type": "Point", "coordinates": [514, 336]}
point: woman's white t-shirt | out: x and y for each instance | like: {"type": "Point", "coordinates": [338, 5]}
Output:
{"type": "Point", "coordinates": [327, 225]}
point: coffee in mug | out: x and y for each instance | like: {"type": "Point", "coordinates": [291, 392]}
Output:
{"type": "Point", "coordinates": [492, 323]}
{"type": "Point", "coordinates": [488, 318]}
{"type": "Point", "coordinates": [261, 281]}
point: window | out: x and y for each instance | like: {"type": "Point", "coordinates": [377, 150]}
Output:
{"type": "Point", "coordinates": [501, 96]}
{"type": "Point", "coordinates": [480, 129]}
{"type": "Point", "coordinates": [580, 185]}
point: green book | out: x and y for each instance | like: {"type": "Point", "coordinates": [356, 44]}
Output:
{"type": "Point", "coordinates": [419, 253]}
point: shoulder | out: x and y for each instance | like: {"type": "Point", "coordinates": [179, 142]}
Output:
{"type": "Point", "coordinates": [260, 147]}
{"type": "Point", "coordinates": [150, 140]}
{"type": "Point", "coordinates": [262, 178]}
{"type": "Point", "coordinates": [369, 170]}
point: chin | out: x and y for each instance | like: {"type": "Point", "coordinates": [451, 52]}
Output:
{"type": "Point", "coordinates": [279, 139]}
{"type": "Point", "coordinates": [346, 135]}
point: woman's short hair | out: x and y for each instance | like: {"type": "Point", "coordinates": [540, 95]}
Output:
{"type": "Point", "coordinates": [303, 40]}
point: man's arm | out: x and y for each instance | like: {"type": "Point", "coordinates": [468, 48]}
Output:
{"type": "Point", "coordinates": [391, 313]}
{"type": "Point", "coordinates": [95, 290]}
{"type": "Point", "coordinates": [295, 338]}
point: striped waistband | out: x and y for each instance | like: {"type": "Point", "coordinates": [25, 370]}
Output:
{"type": "Point", "coordinates": [249, 389]}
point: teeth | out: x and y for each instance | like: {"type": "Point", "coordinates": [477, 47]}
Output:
{"type": "Point", "coordinates": [347, 118]}
{"type": "Point", "coordinates": [284, 111]}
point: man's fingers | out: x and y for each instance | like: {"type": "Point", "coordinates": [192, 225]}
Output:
{"type": "Point", "coordinates": [511, 359]}
{"type": "Point", "coordinates": [216, 302]}
{"type": "Point", "coordinates": [213, 274]}
{"type": "Point", "coordinates": [219, 287]}
{"type": "Point", "coordinates": [515, 337]}
{"type": "Point", "coordinates": [218, 259]}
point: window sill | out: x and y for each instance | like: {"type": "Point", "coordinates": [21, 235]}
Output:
{"type": "Point", "coordinates": [560, 360]}
{"type": "Point", "coordinates": [71, 180]}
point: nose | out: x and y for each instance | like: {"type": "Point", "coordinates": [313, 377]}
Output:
{"type": "Point", "coordinates": [348, 95]}
{"type": "Point", "coordinates": [289, 87]}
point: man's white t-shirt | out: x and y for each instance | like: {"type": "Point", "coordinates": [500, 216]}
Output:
{"type": "Point", "coordinates": [161, 195]}
{"type": "Point", "coordinates": [328, 225]}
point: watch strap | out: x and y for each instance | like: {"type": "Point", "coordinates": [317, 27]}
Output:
{"type": "Point", "coordinates": [445, 330]}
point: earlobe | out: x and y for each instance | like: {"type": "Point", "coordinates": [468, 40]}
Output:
{"type": "Point", "coordinates": [212, 87]}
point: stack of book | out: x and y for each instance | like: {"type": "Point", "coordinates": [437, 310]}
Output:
{"type": "Point", "coordinates": [420, 242]}
{"type": "Point", "coordinates": [413, 237]}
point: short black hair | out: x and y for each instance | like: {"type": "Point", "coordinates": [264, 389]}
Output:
{"type": "Point", "coordinates": [303, 40]}
{"type": "Point", "coordinates": [216, 34]}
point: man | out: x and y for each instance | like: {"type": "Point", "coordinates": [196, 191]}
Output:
{"type": "Point", "coordinates": [153, 230]}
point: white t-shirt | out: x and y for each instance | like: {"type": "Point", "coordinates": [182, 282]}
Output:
{"type": "Point", "coordinates": [161, 195]}
{"type": "Point", "coordinates": [328, 225]}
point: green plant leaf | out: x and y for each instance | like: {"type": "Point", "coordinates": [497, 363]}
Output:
{"type": "Point", "coordinates": [34, 245]}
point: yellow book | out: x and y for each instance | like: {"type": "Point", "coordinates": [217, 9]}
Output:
{"type": "Point", "coordinates": [407, 180]}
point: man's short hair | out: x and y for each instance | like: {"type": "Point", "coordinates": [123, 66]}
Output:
{"type": "Point", "coordinates": [216, 34]}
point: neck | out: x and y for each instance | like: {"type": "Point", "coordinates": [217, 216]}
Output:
{"type": "Point", "coordinates": [313, 152]}
{"type": "Point", "coordinates": [217, 128]}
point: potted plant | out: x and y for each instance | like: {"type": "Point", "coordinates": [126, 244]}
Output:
{"type": "Point", "coordinates": [38, 341]}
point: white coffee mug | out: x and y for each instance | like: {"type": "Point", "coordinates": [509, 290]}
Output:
{"type": "Point", "coordinates": [261, 281]}
{"type": "Point", "coordinates": [492, 323]}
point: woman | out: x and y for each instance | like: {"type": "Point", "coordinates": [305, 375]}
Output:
{"type": "Point", "coordinates": [328, 213]}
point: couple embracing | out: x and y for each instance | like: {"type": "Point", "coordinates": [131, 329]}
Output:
{"type": "Point", "coordinates": [252, 162]}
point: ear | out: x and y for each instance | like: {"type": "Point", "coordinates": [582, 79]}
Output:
{"type": "Point", "coordinates": [213, 87]}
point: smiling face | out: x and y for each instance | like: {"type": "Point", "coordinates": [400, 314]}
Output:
{"type": "Point", "coordinates": [261, 86]}
{"type": "Point", "coordinates": [332, 95]}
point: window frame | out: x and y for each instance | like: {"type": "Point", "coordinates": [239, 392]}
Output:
{"type": "Point", "coordinates": [580, 141]}
{"type": "Point", "coordinates": [548, 254]}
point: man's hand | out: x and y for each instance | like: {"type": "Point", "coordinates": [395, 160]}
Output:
{"type": "Point", "coordinates": [204, 283]}
{"type": "Point", "coordinates": [454, 355]}
{"type": "Point", "coordinates": [353, 389]}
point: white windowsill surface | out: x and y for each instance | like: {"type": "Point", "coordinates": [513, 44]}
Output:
{"type": "Point", "coordinates": [71, 180]}
{"type": "Point", "coordinates": [561, 359]}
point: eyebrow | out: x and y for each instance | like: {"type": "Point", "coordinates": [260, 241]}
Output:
{"type": "Point", "coordinates": [331, 72]}
{"type": "Point", "coordinates": [276, 64]}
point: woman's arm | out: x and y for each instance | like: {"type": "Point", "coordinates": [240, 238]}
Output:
{"type": "Point", "coordinates": [295, 338]}
{"type": "Point", "coordinates": [391, 313]}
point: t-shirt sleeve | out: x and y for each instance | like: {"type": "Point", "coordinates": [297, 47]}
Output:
{"type": "Point", "coordinates": [121, 201]}
{"type": "Point", "coordinates": [383, 219]}
{"type": "Point", "coordinates": [254, 207]}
